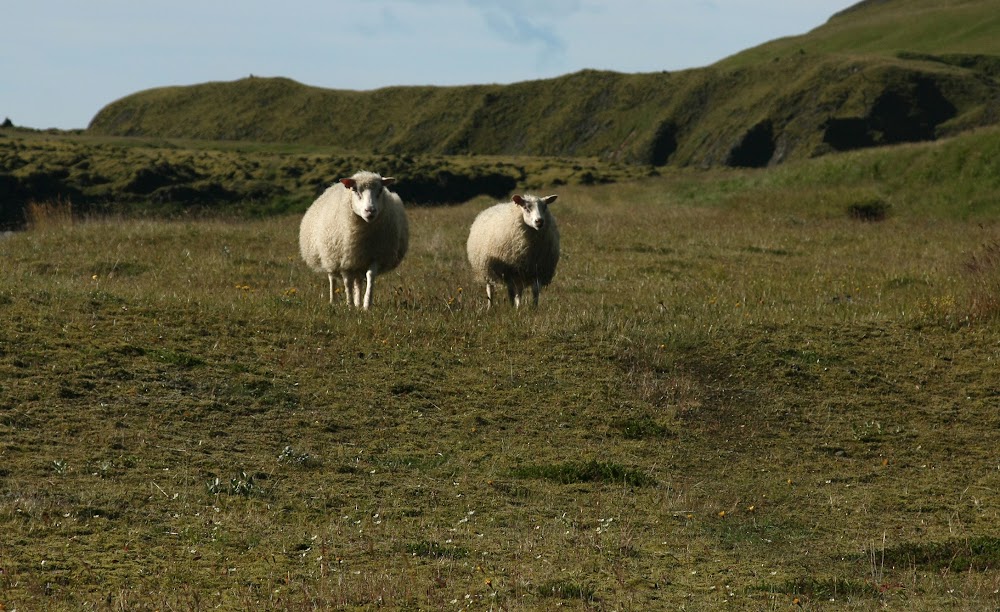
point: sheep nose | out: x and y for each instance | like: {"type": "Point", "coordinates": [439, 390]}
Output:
{"type": "Point", "coordinates": [539, 223]}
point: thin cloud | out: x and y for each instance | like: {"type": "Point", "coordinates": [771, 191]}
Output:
{"type": "Point", "coordinates": [529, 23]}
{"type": "Point", "coordinates": [517, 30]}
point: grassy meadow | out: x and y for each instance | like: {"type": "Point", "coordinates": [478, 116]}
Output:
{"type": "Point", "coordinates": [744, 390]}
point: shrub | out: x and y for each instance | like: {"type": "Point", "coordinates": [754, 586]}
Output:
{"type": "Point", "coordinates": [869, 210]}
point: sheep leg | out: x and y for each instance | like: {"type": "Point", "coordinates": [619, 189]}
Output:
{"type": "Point", "coordinates": [356, 291]}
{"type": "Point", "coordinates": [514, 294]}
{"type": "Point", "coordinates": [330, 276]}
{"type": "Point", "coordinates": [369, 285]}
{"type": "Point", "coordinates": [489, 296]}
{"type": "Point", "coordinates": [535, 288]}
{"type": "Point", "coordinates": [347, 288]}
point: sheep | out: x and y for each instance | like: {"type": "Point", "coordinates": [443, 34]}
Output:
{"type": "Point", "coordinates": [357, 228]}
{"type": "Point", "coordinates": [516, 243]}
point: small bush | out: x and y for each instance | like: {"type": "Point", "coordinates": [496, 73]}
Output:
{"type": "Point", "coordinates": [243, 485]}
{"type": "Point", "coordinates": [290, 456]}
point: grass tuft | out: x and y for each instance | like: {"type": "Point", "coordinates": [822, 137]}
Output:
{"type": "Point", "coordinates": [566, 589]}
{"type": "Point", "coordinates": [869, 210]}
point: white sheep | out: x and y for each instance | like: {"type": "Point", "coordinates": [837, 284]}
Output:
{"type": "Point", "coordinates": [516, 243]}
{"type": "Point", "coordinates": [357, 228]}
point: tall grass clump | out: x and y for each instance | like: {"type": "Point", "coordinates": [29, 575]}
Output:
{"type": "Point", "coordinates": [983, 273]}
{"type": "Point", "coordinates": [48, 214]}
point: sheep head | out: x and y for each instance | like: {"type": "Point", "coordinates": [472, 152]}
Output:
{"type": "Point", "coordinates": [534, 210]}
{"type": "Point", "coordinates": [366, 190]}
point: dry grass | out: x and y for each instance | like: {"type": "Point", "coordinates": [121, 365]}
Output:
{"type": "Point", "coordinates": [983, 271]}
{"type": "Point", "coordinates": [723, 400]}
{"type": "Point", "coordinates": [48, 215]}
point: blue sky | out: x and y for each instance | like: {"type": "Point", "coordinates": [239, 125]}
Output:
{"type": "Point", "coordinates": [61, 61]}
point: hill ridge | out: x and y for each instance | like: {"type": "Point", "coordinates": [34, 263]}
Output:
{"type": "Point", "coordinates": [795, 97]}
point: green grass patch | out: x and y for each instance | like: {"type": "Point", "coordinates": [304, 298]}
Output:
{"type": "Point", "coordinates": [566, 589]}
{"type": "Point", "coordinates": [643, 428]}
{"type": "Point", "coordinates": [978, 553]}
{"type": "Point", "coordinates": [436, 550]}
{"type": "Point", "coordinates": [178, 358]}
{"type": "Point", "coordinates": [589, 471]}
{"type": "Point", "coordinates": [825, 589]}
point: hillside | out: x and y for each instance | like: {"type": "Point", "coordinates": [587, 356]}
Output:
{"type": "Point", "coordinates": [877, 73]}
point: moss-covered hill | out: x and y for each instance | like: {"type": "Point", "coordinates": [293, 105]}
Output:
{"type": "Point", "coordinates": [149, 176]}
{"type": "Point", "coordinates": [880, 72]}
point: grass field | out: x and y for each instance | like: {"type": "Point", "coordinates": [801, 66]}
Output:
{"type": "Point", "coordinates": [744, 390]}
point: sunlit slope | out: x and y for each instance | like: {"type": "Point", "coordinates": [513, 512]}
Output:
{"type": "Point", "coordinates": [894, 27]}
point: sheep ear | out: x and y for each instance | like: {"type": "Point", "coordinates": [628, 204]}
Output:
{"type": "Point", "coordinates": [518, 200]}
{"type": "Point", "coordinates": [347, 182]}
{"type": "Point", "coordinates": [550, 199]}
{"type": "Point", "coordinates": [388, 180]}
